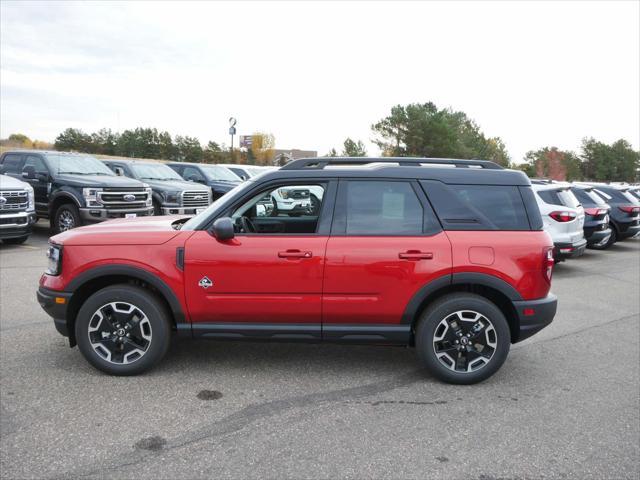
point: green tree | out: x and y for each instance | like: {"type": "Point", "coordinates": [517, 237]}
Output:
{"type": "Point", "coordinates": [104, 141]}
{"type": "Point", "coordinates": [332, 153]}
{"type": "Point", "coordinates": [615, 162]}
{"type": "Point", "coordinates": [423, 130]}
{"type": "Point", "coordinates": [550, 162]}
{"type": "Point", "coordinates": [73, 139]}
{"type": "Point", "coordinates": [214, 153]}
{"type": "Point", "coordinates": [353, 149]}
{"type": "Point", "coordinates": [188, 149]}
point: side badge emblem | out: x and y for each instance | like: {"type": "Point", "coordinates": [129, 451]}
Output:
{"type": "Point", "coordinates": [205, 282]}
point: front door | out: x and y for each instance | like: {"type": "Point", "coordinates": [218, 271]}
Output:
{"type": "Point", "coordinates": [386, 244]}
{"type": "Point", "coordinates": [270, 273]}
{"type": "Point", "coordinates": [40, 184]}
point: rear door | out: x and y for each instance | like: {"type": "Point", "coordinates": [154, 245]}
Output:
{"type": "Point", "coordinates": [386, 244]}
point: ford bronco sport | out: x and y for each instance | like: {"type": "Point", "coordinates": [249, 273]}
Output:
{"type": "Point", "coordinates": [448, 256]}
{"type": "Point", "coordinates": [74, 189]}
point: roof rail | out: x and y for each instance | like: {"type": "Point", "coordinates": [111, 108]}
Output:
{"type": "Point", "coordinates": [322, 162]}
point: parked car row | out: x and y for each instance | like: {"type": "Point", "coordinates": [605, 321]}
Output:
{"type": "Point", "coordinates": [581, 215]}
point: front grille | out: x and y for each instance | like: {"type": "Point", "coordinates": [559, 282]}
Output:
{"type": "Point", "coordinates": [298, 194]}
{"type": "Point", "coordinates": [130, 198]}
{"type": "Point", "coordinates": [195, 199]}
{"type": "Point", "coordinates": [14, 201]}
{"type": "Point", "coordinates": [13, 221]}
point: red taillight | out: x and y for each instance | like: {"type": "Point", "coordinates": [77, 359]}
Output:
{"type": "Point", "coordinates": [547, 263]}
{"type": "Point", "coordinates": [595, 211]}
{"type": "Point", "coordinates": [562, 216]}
{"type": "Point", "coordinates": [630, 209]}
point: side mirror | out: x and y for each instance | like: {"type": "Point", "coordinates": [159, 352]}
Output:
{"type": "Point", "coordinates": [29, 172]}
{"type": "Point", "coordinates": [42, 177]}
{"type": "Point", "coordinates": [222, 229]}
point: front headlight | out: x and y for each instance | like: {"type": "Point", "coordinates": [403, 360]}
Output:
{"type": "Point", "coordinates": [91, 197]}
{"type": "Point", "coordinates": [54, 254]}
{"type": "Point", "coordinates": [284, 193]}
{"type": "Point", "coordinates": [31, 201]}
{"type": "Point", "coordinates": [149, 196]}
{"type": "Point", "coordinates": [171, 197]}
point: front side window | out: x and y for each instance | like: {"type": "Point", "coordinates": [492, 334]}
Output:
{"type": "Point", "coordinates": [37, 163]}
{"type": "Point", "coordinates": [382, 208]}
{"type": "Point", "coordinates": [285, 209]}
{"type": "Point", "coordinates": [78, 165]}
{"type": "Point", "coordinates": [192, 174]}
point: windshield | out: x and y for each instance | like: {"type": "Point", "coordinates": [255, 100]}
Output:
{"type": "Point", "coordinates": [203, 216]}
{"type": "Point", "coordinates": [154, 171]}
{"type": "Point", "coordinates": [215, 172]}
{"type": "Point", "coordinates": [78, 165]}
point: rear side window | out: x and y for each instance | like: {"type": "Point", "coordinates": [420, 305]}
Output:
{"type": "Point", "coordinates": [37, 163]}
{"type": "Point", "coordinates": [562, 197]}
{"type": "Point", "coordinates": [11, 163]}
{"type": "Point", "coordinates": [380, 208]}
{"type": "Point", "coordinates": [618, 196]}
{"type": "Point", "coordinates": [588, 196]}
{"type": "Point", "coordinates": [478, 207]}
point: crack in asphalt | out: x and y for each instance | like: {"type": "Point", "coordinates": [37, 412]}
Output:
{"type": "Point", "coordinates": [250, 414]}
{"type": "Point", "coordinates": [246, 416]}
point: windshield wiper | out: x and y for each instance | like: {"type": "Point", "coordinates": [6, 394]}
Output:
{"type": "Point", "coordinates": [73, 173]}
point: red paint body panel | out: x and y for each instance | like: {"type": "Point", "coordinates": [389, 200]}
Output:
{"type": "Point", "coordinates": [367, 282]}
{"type": "Point", "coordinates": [518, 258]}
{"type": "Point", "coordinates": [252, 282]}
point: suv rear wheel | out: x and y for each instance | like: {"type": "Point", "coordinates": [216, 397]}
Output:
{"type": "Point", "coordinates": [463, 338]}
{"type": "Point", "coordinates": [67, 216]}
{"type": "Point", "coordinates": [123, 330]}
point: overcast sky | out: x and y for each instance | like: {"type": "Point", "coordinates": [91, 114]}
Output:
{"type": "Point", "coordinates": [536, 74]}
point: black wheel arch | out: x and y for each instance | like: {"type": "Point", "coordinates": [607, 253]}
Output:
{"type": "Point", "coordinates": [491, 287]}
{"type": "Point", "coordinates": [89, 282]}
{"type": "Point", "coordinates": [60, 198]}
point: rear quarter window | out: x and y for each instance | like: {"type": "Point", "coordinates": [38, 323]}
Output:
{"type": "Point", "coordinates": [562, 197]}
{"type": "Point", "coordinates": [478, 207]}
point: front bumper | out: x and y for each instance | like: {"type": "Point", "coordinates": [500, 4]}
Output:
{"type": "Point", "coordinates": [534, 315]}
{"type": "Point", "coordinates": [56, 305]}
{"type": "Point", "coordinates": [182, 210]}
{"type": "Point", "coordinates": [563, 250]}
{"type": "Point", "coordinates": [101, 214]}
{"type": "Point", "coordinates": [16, 225]}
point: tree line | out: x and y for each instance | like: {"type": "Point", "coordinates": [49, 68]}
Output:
{"type": "Point", "coordinates": [417, 130]}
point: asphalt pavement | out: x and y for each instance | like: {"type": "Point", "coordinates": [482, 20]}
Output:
{"type": "Point", "coordinates": [565, 404]}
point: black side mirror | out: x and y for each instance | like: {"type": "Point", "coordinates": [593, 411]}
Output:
{"type": "Point", "coordinates": [29, 172]}
{"type": "Point", "coordinates": [223, 229]}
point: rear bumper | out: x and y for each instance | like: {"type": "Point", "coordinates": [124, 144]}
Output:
{"type": "Point", "coordinates": [534, 315]}
{"type": "Point", "coordinates": [598, 237]}
{"type": "Point", "coordinates": [569, 250]}
{"type": "Point", "coordinates": [50, 303]}
{"type": "Point", "coordinates": [628, 230]}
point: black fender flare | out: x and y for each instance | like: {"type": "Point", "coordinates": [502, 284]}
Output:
{"type": "Point", "coordinates": [66, 194]}
{"type": "Point", "coordinates": [463, 278]}
{"type": "Point", "coordinates": [135, 273]}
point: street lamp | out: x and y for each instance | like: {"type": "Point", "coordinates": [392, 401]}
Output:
{"type": "Point", "coordinates": [232, 132]}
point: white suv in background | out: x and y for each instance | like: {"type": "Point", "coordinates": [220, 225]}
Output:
{"type": "Point", "coordinates": [563, 218]}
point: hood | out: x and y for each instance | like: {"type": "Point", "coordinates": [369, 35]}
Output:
{"type": "Point", "coordinates": [98, 181]}
{"type": "Point", "coordinates": [223, 185]}
{"type": "Point", "coordinates": [123, 231]}
{"type": "Point", "coordinates": [175, 185]}
{"type": "Point", "coordinates": [10, 183]}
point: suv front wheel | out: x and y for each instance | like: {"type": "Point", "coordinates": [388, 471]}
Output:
{"type": "Point", "coordinates": [463, 338]}
{"type": "Point", "coordinates": [123, 330]}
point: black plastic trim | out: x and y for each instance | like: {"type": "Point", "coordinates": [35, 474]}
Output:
{"type": "Point", "coordinates": [545, 310]}
{"type": "Point", "coordinates": [303, 332]}
{"type": "Point", "coordinates": [180, 258]}
{"type": "Point", "coordinates": [134, 272]}
{"type": "Point", "coordinates": [375, 333]}
{"type": "Point", "coordinates": [421, 295]}
{"type": "Point", "coordinates": [488, 281]}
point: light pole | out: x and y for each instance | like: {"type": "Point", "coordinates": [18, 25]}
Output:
{"type": "Point", "coordinates": [232, 132]}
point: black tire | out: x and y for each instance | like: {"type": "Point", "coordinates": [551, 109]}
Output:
{"type": "Point", "coordinates": [158, 329]}
{"type": "Point", "coordinates": [612, 239]}
{"type": "Point", "coordinates": [445, 308]}
{"type": "Point", "coordinates": [67, 216]}
{"type": "Point", "coordinates": [15, 241]}
{"type": "Point", "coordinates": [315, 205]}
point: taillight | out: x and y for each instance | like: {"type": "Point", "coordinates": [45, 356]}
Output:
{"type": "Point", "coordinates": [595, 211]}
{"type": "Point", "coordinates": [547, 263]}
{"type": "Point", "coordinates": [562, 216]}
{"type": "Point", "coordinates": [630, 209]}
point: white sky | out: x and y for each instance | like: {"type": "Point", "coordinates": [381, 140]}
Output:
{"type": "Point", "coordinates": [536, 74]}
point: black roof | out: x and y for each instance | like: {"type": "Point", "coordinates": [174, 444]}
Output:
{"type": "Point", "coordinates": [453, 171]}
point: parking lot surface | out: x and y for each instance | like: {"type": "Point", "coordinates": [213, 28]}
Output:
{"type": "Point", "coordinates": [564, 405]}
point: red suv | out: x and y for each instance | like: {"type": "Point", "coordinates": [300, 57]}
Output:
{"type": "Point", "coordinates": [448, 256]}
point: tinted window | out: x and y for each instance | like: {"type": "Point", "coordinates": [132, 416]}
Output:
{"type": "Point", "coordinates": [587, 197]}
{"type": "Point", "coordinates": [193, 174]}
{"type": "Point", "coordinates": [559, 197]}
{"type": "Point", "coordinates": [618, 196]}
{"type": "Point", "coordinates": [35, 162]}
{"type": "Point", "coordinates": [11, 163]}
{"type": "Point", "coordinates": [478, 207]}
{"type": "Point", "coordinates": [382, 208]}
{"type": "Point", "coordinates": [215, 172]}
